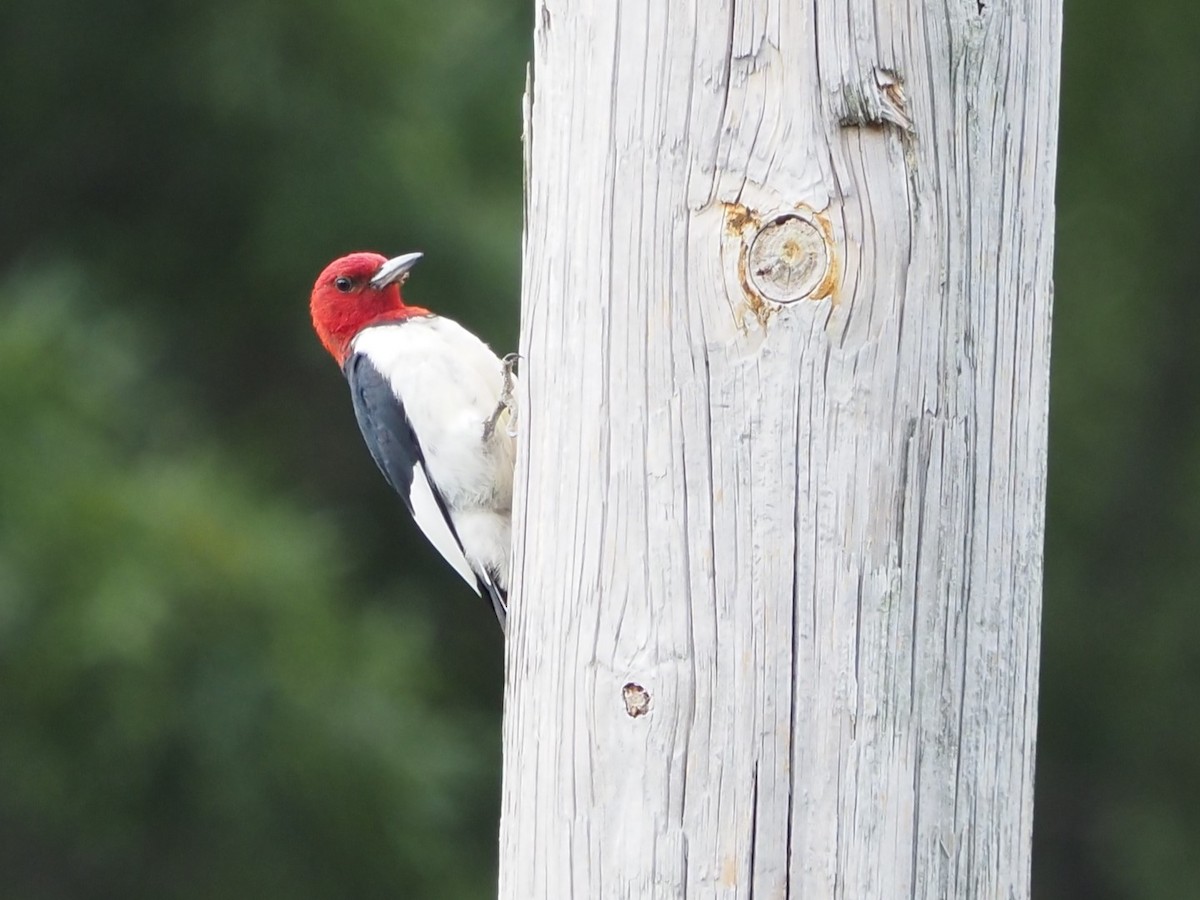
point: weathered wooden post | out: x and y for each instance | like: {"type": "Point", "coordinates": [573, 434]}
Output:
{"type": "Point", "coordinates": [786, 331]}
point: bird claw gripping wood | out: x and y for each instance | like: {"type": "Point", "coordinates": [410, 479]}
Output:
{"type": "Point", "coordinates": [507, 401]}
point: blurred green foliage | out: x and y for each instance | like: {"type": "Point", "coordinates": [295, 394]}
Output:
{"type": "Point", "coordinates": [185, 708]}
{"type": "Point", "coordinates": [1117, 810]}
{"type": "Point", "coordinates": [221, 672]}
{"type": "Point", "coordinates": [228, 667]}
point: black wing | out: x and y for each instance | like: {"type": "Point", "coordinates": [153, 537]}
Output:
{"type": "Point", "coordinates": [395, 448]}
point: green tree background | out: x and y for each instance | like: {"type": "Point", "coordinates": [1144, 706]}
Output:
{"type": "Point", "coordinates": [228, 665]}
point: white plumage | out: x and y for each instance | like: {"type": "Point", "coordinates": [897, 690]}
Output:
{"type": "Point", "coordinates": [448, 384]}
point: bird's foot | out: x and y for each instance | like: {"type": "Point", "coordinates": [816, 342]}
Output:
{"type": "Point", "coordinates": [508, 402]}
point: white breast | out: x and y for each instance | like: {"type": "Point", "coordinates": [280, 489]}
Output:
{"type": "Point", "coordinates": [450, 383]}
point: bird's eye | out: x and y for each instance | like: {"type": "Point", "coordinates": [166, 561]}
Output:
{"type": "Point", "coordinates": [343, 284]}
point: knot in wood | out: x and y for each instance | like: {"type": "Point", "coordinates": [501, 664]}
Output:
{"type": "Point", "coordinates": [637, 700]}
{"type": "Point", "coordinates": [788, 258]}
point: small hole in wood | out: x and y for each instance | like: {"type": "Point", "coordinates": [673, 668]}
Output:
{"type": "Point", "coordinates": [637, 700]}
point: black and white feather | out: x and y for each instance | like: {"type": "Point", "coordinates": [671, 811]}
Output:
{"type": "Point", "coordinates": [423, 390]}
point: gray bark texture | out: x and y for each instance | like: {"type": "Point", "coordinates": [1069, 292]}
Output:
{"type": "Point", "coordinates": [786, 338]}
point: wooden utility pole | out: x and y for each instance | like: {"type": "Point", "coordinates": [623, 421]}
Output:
{"type": "Point", "coordinates": [786, 337]}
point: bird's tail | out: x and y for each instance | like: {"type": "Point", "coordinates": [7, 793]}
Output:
{"type": "Point", "coordinates": [499, 598]}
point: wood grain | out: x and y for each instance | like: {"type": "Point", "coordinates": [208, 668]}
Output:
{"type": "Point", "coordinates": [809, 533]}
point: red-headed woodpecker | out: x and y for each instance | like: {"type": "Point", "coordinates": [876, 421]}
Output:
{"type": "Point", "coordinates": [428, 396]}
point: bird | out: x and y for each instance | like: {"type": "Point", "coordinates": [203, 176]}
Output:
{"type": "Point", "coordinates": [435, 407]}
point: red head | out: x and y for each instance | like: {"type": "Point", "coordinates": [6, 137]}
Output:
{"type": "Point", "coordinates": [356, 291]}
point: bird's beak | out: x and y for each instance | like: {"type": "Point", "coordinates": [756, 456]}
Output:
{"type": "Point", "coordinates": [395, 269]}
